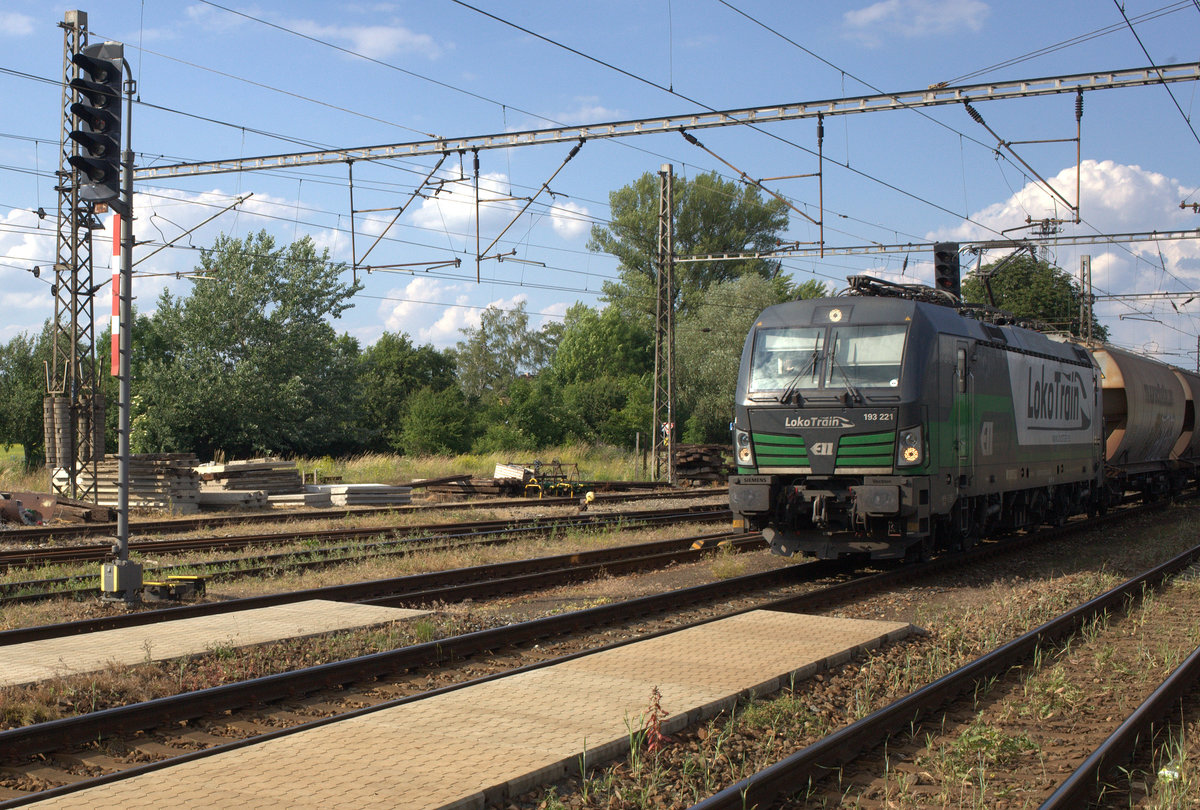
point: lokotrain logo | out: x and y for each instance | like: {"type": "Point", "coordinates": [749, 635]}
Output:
{"type": "Point", "coordinates": [1057, 401]}
{"type": "Point", "coordinates": [817, 422]}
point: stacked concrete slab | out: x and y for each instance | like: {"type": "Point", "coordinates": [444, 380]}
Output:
{"type": "Point", "coordinates": [365, 494]}
{"type": "Point", "coordinates": [233, 499]}
{"type": "Point", "coordinates": [270, 475]}
{"type": "Point", "coordinates": [311, 500]}
{"type": "Point", "coordinates": [160, 481]}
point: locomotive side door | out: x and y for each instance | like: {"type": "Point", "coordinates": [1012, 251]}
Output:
{"type": "Point", "coordinates": [962, 410]}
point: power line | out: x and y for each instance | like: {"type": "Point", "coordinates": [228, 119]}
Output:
{"type": "Point", "coordinates": [1174, 100]}
{"type": "Point", "coordinates": [1076, 40]}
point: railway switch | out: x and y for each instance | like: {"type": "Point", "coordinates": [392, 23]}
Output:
{"type": "Point", "coordinates": [120, 580]}
{"type": "Point", "coordinates": [174, 588]}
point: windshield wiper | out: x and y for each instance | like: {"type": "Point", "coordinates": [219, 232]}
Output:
{"type": "Point", "coordinates": [851, 392]}
{"type": "Point", "coordinates": [793, 387]}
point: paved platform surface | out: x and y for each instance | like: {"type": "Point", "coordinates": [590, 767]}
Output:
{"type": "Point", "coordinates": [49, 658]}
{"type": "Point", "coordinates": [499, 738]}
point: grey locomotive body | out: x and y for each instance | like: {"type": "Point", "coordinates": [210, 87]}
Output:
{"type": "Point", "coordinates": [886, 427]}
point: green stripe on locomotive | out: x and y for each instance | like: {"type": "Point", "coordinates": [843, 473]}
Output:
{"type": "Point", "coordinates": [867, 450]}
{"type": "Point", "coordinates": [774, 450]}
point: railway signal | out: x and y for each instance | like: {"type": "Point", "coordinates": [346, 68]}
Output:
{"type": "Point", "coordinates": [945, 268]}
{"type": "Point", "coordinates": [98, 121]}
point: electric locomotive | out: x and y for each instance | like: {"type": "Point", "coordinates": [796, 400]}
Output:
{"type": "Point", "coordinates": [884, 424]}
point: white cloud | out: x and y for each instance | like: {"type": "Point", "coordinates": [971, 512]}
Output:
{"type": "Point", "coordinates": [372, 41]}
{"type": "Point", "coordinates": [914, 18]}
{"type": "Point", "coordinates": [453, 208]}
{"type": "Point", "coordinates": [554, 313]}
{"type": "Point", "coordinates": [569, 219]}
{"type": "Point", "coordinates": [15, 25]}
{"type": "Point", "coordinates": [214, 19]}
{"type": "Point", "coordinates": [587, 110]}
{"type": "Point", "coordinates": [1116, 198]}
{"type": "Point", "coordinates": [429, 310]}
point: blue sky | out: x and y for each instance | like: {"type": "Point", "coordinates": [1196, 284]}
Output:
{"type": "Point", "coordinates": [231, 80]}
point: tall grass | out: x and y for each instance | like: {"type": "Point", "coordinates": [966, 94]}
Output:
{"type": "Point", "coordinates": [14, 476]}
{"type": "Point", "coordinates": [594, 462]}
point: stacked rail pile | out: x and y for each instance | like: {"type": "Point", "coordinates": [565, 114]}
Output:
{"type": "Point", "coordinates": [156, 481]}
{"type": "Point", "coordinates": [702, 463]}
{"type": "Point", "coordinates": [254, 483]}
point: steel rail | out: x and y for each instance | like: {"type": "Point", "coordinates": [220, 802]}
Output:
{"type": "Point", "coordinates": [399, 588]}
{"type": "Point", "coordinates": [794, 773]}
{"type": "Point", "coordinates": [1081, 786]}
{"type": "Point", "coordinates": [44, 737]}
{"type": "Point", "coordinates": [137, 717]}
{"type": "Point", "coordinates": [134, 718]}
{"type": "Point", "coordinates": [144, 527]}
{"type": "Point", "coordinates": [25, 558]}
{"type": "Point", "coordinates": [55, 587]}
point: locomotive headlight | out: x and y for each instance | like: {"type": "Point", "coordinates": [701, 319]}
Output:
{"type": "Point", "coordinates": [743, 448]}
{"type": "Point", "coordinates": [911, 447]}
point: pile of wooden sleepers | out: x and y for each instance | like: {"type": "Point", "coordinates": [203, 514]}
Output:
{"type": "Point", "coordinates": [702, 463]}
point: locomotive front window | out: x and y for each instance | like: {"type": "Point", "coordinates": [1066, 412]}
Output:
{"type": "Point", "coordinates": [865, 356]}
{"type": "Point", "coordinates": [787, 358]}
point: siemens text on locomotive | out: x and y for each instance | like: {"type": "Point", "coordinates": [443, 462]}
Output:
{"type": "Point", "coordinates": [884, 423]}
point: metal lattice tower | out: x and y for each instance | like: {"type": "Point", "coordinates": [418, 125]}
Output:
{"type": "Point", "coordinates": [662, 426]}
{"type": "Point", "coordinates": [73, 410]}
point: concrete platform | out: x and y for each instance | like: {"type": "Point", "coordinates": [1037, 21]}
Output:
{"type": "Point", "coordinates": [499, 738]}
{"type": "Point", "coordinates": [40, 660]}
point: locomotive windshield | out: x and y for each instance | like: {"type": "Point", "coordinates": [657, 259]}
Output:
{"type": "Point", "coordinates": [787, 358]}
{"type": "Point", "coordinates": [866, 356]}
{"type": "Point", "coordinates": [804, 358]}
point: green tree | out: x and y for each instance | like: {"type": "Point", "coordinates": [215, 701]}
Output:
{"type": "Point", "coordinates": [529, 416]}
{"type": "Point", "coordinates": [604, 364]}
{"type": "Point", "coordinates": [709, 349]}
{"type": "Point", "coordinates": [22, 388]}
{"type": "Point", "coordinates": [711, 215]}
{"type": "Point", "coordinates": [1031, 289]}
{"type": "Point", "coordinates": [249, 362]}
{"type": "Point", "coordinates": [435, 422]}
{"type": "Point", "coordinates": [601, 341]}
{"type": "Point", "coordinates": [501, 349]}
{"type": "Point", "coordinates": [608, 409]}
{"type": "Point", "coordinates": [390, 371]}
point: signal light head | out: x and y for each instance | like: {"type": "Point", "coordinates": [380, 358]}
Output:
{"type": "Point", "coordinates": [946, 269]}
{"type": "Point", "coordinates": [97, 114]}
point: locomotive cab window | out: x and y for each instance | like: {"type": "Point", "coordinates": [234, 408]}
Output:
{"type": "Point", "coordinates": [806, 358]}
{"type": "Point", "coordinates": [866, 356]}
{"type": "Point", "coordinates": [787, 358]}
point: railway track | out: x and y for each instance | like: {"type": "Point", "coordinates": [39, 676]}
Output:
{"type": "Point", "coordinates": [933, 710]}
{"type": "Point", "coordinates": [414, 590]}
{"type": "Point", "coordinates": [68, 739]}
{"type": "Point", "coordinates": [443, 657]}
{"type": "Point", "coordinates": [28, 558]}
{"type": "Point", "coordinates": [405, 540]}
{"type": "Point", "coordinates": [419, 661]}
{"type": "Point", "coordinates": [141, 528]}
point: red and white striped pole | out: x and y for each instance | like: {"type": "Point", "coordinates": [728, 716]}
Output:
{"type": "Point", "coordinates": [116, 296]}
